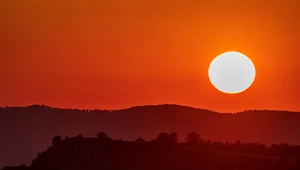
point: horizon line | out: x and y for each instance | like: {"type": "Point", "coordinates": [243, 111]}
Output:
{"type": "Point", "coordinates": [149, 105]}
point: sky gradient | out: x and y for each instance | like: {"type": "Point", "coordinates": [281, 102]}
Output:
{"type": "Point", "coordinates": [120, 53]}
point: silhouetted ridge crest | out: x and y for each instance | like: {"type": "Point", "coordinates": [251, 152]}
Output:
{"type": "Point", "coordinates": [78, 153]}
{"type": "Point", "coordinates": [159, 106]}
{"type": "Point", "coordinates": [34, 124]}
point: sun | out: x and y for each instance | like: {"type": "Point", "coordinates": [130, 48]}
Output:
{"type": "Point", "coordinates": [231, 72]}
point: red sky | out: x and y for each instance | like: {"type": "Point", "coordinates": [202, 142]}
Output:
{"type": "Point", "coordinates": [120, 53]}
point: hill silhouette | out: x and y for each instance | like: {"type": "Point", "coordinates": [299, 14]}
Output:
{"type": "Point", "coordinates": [27, 130]}
{"type": "Point", "coordinates": [163, 153]}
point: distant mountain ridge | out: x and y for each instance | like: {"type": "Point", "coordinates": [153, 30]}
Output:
{"type": "Point", "coordinates": [28, 130]}
{"type": "Point", "coordinates": [143, 107]}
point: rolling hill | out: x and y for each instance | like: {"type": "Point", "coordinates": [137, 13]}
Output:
{"type": "Point", "coordinates": [92, 153]}
{"type": "Point", "coordinates": [28, 130]}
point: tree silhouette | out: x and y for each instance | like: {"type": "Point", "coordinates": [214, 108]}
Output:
{"type": "Point", "coordinates": [193, 138]}
{"type": "Point", "coordinates": [39, 155]}
{"type": "Point", "coordinates": [102, 136]}
{"type": "Point", "coordinates": [166, 139]}
{"type": "Point", "coordinates": [174, 138]}
{"type": "Point", "coordinates": [56, 140]}
{"type": "Point", "coordinates": [140, 140]}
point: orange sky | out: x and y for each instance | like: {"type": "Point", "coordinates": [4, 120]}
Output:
{"type": "Point", "coordinates": [120, 53]}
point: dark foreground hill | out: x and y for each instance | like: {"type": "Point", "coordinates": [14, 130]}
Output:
{"type": "Point", "coordinates": [28, 130]}
{"type": "Point", "coordinates": [103, 154]}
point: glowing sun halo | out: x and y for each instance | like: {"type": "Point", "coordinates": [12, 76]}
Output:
{"type": "Point", "coordinates": [231, 72]}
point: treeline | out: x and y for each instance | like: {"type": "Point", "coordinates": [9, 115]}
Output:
{"type": "Point", "coordinates": [77, 148]}
{"type": "Point", "coordinates": [283, 150]}
{"type": "Point", "coordinates": [194, 140]}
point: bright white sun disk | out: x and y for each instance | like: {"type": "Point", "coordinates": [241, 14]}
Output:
{"type": "Point", "coordinates": [231, 72]}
